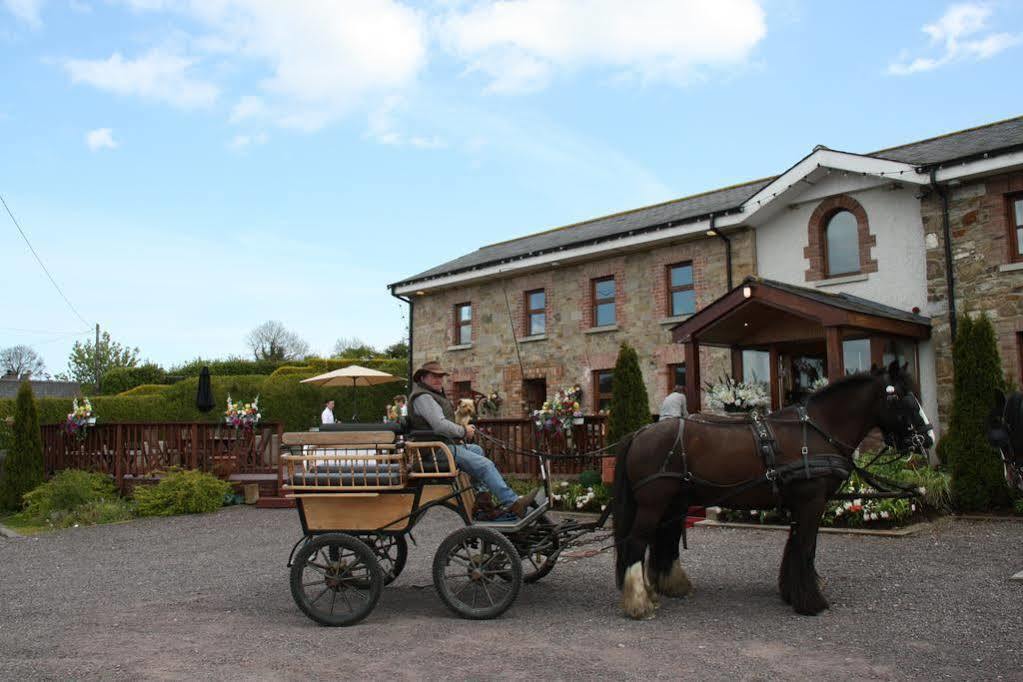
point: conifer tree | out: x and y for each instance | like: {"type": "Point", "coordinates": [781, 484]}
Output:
{"type": "Point", "coordinates": [630, 408]}
{"type": "Point", "coordinates": [23, 468]}
{"type": "Point", "coordinates": [977, 481]}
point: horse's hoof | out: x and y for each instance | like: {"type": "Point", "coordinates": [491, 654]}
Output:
{"type": "Point", "coordinates": [675, 584]}
{"type": "Point", "coordinates": [640, 612]}
{"type": "Point", "coordinates": [811, 606]}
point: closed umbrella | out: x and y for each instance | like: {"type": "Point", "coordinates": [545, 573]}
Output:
{"type": "Point", "coordinates": [353, 376]}
{"type": "Point", "coordinates": [204, 396]}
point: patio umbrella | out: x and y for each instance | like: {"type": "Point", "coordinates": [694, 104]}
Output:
{"type": "Point", "coordinates": [204, 396]}
{"type": "Point", "coordinates": [353, 376]}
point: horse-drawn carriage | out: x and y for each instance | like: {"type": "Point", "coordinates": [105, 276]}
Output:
{"type": "Point", "coordinates": [360, 489]}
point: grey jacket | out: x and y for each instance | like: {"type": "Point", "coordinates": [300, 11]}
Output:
{"type": "Point", "coordinates": [427, 408]}
{"type": "Point", "coordinates": [674, 406]}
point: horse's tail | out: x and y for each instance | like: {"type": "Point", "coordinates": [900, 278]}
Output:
{"type": "Point", "coordinates": [624, 506]}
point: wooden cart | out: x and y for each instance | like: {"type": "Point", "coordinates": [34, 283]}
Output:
{"type": "Point", "coordinates": [359, 491]}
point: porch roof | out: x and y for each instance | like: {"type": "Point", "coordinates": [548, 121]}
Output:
{"type": "Point", "coordinates": [761, 311]}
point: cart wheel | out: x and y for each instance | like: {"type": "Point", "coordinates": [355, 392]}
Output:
{"type": "Point", "coordinates": [391, 552]}
{"type": "Point", "coordinates": [536, 545]}
{"type": "Point", "coordinates": [336, 579]}
{"type": "Point", "coordinates": [467, 573]}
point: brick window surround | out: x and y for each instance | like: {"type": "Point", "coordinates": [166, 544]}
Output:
{"type": "Point", "coordinates": [1014, 223]}
{"type": "Point", "coordinates": [816, 249]}
{"type": "Point", "coordinates": [462, 324]}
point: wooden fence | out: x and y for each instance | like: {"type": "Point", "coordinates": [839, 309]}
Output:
{"type": "Point", "coordinates": [133, 451]}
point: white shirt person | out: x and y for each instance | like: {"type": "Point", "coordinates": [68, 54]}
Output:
{"type": "Point", "coordinates": [327, 417]}
{"type": "Point", "coordinates": [674, 404]}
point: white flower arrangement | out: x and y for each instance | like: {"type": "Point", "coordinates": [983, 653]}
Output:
{"type": "Point", "coordinates": [737, 396]}
{"type": "Point", "coordinates": [818, 384]}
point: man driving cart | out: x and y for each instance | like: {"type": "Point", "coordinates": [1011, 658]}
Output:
{"type": "Point", "coordinates": [430, 410]}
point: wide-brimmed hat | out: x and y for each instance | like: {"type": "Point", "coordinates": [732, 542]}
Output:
{"type": "Point", "coordinates": [433, 367]}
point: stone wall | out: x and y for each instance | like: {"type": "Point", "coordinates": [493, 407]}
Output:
{"type": "Point", "coordinates": [572, 349]}
{"type": "Point", "coordinates": [986, 279]}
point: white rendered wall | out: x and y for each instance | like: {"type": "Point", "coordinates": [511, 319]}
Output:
{"type": "Point", "coordinates": [900, 252]}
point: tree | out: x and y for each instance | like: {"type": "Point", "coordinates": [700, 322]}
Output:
{"type": "Point", "coordinates": [398, 349]}
{"type": "Point", "coordinates": [21, 362]}
{"type": "Point", "coordinates": [82, 363]}
{"type": "Point", "coordinates": [23, 467]}
{"type": "Point", "coordinates": [273, 341]}
{"type": "Point", "coordinates": [353, 347]}
{"type": "Point", "coordinates": [977, 482]}
{"type": "Point", "coordinates": [630, 407]}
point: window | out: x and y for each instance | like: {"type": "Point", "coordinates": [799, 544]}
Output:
{"type": "Point", "coordinates": [676, 376]}
{"type": "Point", "coordinates": [681, 296]}
{"type": "Point", "coordinates": [903, 352]}
{"type": "Point", "coordinates": [756, 367]}
{"type": "Point", "coordinates": [461, 389]}
{"type": "Point", "coordinates": [856, 355]}
{"type": "Point", "coordinates": [536, 312]}
{"type": "Point", "coordinates": [603, 301]}
{"type": "Point", "coordinates": [463, 323]}
{"type": "Point", "coordinates": [842, 250]}
{"type": "Point", "coordinates": [1016, 226]}
{"type": "Point", "coordinates": [602, 389]}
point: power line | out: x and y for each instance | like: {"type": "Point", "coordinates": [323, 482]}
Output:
{"type": "Point", "coordinates": [40, 261]}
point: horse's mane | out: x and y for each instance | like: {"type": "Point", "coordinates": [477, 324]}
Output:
{"type": "Point", "coordinates": [840, 386]}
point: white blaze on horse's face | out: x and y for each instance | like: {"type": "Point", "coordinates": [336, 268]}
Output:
{"type": "Point", "coordinates": [923, 416]}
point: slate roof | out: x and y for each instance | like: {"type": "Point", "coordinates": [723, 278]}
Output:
{"type": "Point", "coordinates": [1000, 137]}
{"type": "Point", "coordinates": [844, 301]}
{"type": "Point", "coordinates": [41, 389]}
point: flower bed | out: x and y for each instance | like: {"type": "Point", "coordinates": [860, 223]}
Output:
{"type": "Point", "coordinates": [933, 497]}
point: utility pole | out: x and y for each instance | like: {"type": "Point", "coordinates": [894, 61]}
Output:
{"type": "Point", "coordinates": [95, 360]}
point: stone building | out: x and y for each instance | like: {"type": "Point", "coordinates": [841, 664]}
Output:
{"type": "Point", "coordinates": [837, 263]}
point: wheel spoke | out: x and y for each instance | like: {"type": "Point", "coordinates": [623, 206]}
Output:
{"type": "Point", "coordinates": [333, 598]}
{"type": "Point", "coordinates": [483, 585]}
{"type": "Point", "coordinates": [344, 593]}
{"type": "Point", "coordinates": [319, 595]}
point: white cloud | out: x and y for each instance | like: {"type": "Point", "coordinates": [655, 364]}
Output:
{"type": "Point", "coordinates": [246, 108]}
{"type": "Point", "coordinates": [156, 75]}
{"type": "Point", "coordinates": [26, 11]}
{"type": "Point", "coordinates": [324, 59]}
{"type": "Point", "coordinates": [101, 138]}
{"type": "Point", "coordinates": [243, 141]}
{"type": "Point", "coordinates": [384, 127]}
{"type": "Point", "coordinates": [521, 44]}
{"type": "Point", "coordinates": [957, 33]}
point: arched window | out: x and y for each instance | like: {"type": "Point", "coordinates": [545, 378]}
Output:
{"type": "Point", "coordinates": [841, 237]}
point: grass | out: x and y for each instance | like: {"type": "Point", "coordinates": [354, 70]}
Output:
{"type": "Point", "coordinates": [19, 524]}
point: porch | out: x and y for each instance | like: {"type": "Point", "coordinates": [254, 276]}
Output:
{"type": "Point", "coordinates": [789, 337]}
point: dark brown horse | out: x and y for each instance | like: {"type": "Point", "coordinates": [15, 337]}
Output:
{"type": "Point", "coordinates": [796, 458]}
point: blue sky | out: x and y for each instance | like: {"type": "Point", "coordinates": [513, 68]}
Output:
{"type": "Point", "coordinates": [188, 170]}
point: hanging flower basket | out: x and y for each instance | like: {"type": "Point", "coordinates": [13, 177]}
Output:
{"type": "Point", "coordinates": [242, 415]}
{"type": "Point", "coordinates": [737, 396]}
{"type": "Point", "coordinates": [79, 419]}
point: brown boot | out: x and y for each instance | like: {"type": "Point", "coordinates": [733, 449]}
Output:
{"type": "Point", "coordinates": [520, 507]}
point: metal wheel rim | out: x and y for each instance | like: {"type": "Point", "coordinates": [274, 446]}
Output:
{"type": "Point", "coordinates": [386, 547]}
{"type": "Point", "coordinates": [336, 587]}
{"type": "Point", "coordinates": [473, 574]}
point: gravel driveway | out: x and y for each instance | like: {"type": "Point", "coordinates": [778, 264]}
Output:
{"type": "Point", "coordinates": [207, 597]}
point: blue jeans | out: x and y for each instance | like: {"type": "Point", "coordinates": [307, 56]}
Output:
{"type": "Point", "coordinates": [471, 460]}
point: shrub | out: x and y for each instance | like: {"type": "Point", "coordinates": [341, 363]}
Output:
{"type": "Point", "coordinates": [75, 497]}
{"type": "Point", "coordinates": [121, 379]}
{"type": "Point", "coordinates": [23, 467]}
{"type": "Point", "coordinates": [145, 389]}
{"type": "Point", "coordinates": [589, 478]}
{"type": "Point", "coordinates": [630, 408]}
{"type": "Point", "coordinates": [182, 492]}
{"type": "Point", "coordinates": [977, 481]}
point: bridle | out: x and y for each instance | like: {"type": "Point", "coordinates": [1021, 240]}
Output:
{"type": "Point", "coordinates": [1009, 459]}
{"type": "Point", "coordinates": [914, 434]}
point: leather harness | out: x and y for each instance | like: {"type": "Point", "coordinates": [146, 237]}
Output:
{"type": "Point", "coordinates": [806, 468]}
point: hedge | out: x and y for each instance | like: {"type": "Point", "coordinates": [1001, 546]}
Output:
{"type": "Point", "coordinates": [146, 389]}
{"type": "Point", "coordinates": [121, 379]}
{"type": "Point", "coordinates": [282, 398]}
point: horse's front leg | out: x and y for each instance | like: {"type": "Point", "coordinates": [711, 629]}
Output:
{"type": "Point", "coordinates": [798, 581]}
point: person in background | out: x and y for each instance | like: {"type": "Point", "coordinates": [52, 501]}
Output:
{"type": "Point", "coordinates": [400, 405]}
{"type": "Point", "coordinates": [674, 405]}
{"type": "Point", "coordinates": [327, 416]}
{"type": "Point", "coordinates": [432, 411]}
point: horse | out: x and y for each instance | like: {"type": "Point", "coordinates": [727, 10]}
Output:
{"type": "Point", "coordinates": [1005, 432]}
{"type": "Point", "coordinates": [796, 457]}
